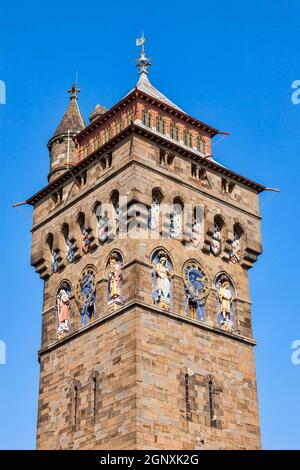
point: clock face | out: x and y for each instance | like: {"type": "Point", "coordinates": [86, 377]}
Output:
{"type": "Point", "coordinates": [196, 282]}
{"type": "Point", "coordinates": [86, 286]}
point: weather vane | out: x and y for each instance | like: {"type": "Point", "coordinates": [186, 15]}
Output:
{"type": "Point", "coordinates": [143, 62]}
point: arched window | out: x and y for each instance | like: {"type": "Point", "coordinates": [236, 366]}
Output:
{"type": "Point", "coordinates": [154, 211]}
{"type": "Point", "coordinates": [85, 294]}
{"type": "Point", "coordinates": [85, 237]}
{"type": "Point", "coordinates": [197, 234]}
{"type": "Point", "coordinates": [188, 138]}
{"type": "Point", "coordinates": [107, 134]}
{"type": "Point", "coordinates": [225, 302]}
{"type": "Point", "coordinates": [101, 222]}
{"type": "Point", "coordinates": [197, 288]}
{"type": "Point", "coordinates": [119, 124]}
{"type": "Point", "coordinates": [211, 402]}
{"type": "Point", "coordinates": [52, 253]}
{"type": "Point", "coordinates": [129, 117]}
{"type": "Point", "coordinates": [160, 124]}
{"type": "Point", "coordinates": [75, 405]}
{"type": "Point", "coordinates": [114, 281]}
{"type": "Point", "coordinates": [174, 131]}
{"type": "Point", "coordinates": [176, 219]}
{"type": "Point", "coordinates": [161, 279]}
{"type": "Point", "coordinates": [236, 251]}
{"type": "Point", "coordinates": [216, 242]}
{"type": "Point", "coordinates": [187, 396]}
{"type": "Point", "coordinates": [69, 245]}
{"type": "Point", "coordinates": [63, 309]}
{"type": "Point", "coordinates": [146, 117]}
{"type": "Point", "coordinates": [200, 144]}
{"type": "Point", "coordinates": [118, 224]}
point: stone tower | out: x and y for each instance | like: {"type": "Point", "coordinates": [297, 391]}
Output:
{"type": "Point", "coordinates": [143, 242]}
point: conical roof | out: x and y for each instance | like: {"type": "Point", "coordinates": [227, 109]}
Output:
{"type": "Point", "coordinates": [72, 120]}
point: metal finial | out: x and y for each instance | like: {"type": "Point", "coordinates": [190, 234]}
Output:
{"type": "Point", "coordinates": [73, 91]}
{"type": "Point", "coordinates": [143, 62]}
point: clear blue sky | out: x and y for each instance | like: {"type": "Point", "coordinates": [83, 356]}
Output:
{"type": "Point", "coordinates": [230, 64]}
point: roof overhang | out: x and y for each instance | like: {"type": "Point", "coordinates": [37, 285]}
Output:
{"type": "Point", "coordinates": [136, 129]}
{"type": "Point", "coordinates": [134, 95]}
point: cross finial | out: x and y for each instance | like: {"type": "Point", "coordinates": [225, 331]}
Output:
{"type": "Point", "coordinates": [143, 62]}
{"type": "Point", "coordinates": [73, 91]}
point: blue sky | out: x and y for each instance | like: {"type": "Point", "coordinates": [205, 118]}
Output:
{"type": "Point", "coordinates": [230, 64]}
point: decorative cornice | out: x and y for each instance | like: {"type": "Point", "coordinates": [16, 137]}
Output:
{"type": "Point", "coordinates": [153, 309]}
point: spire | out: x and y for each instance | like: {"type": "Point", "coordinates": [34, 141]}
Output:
{"type": "Point", "coordinates": [72, 121]}
{"type": "Point", "coordinates": [143, 83]}
{"type": "Point", "coordinates": [143, 62]}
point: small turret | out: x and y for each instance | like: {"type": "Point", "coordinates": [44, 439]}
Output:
{"type": "Point", "coordinates": [63, 153]}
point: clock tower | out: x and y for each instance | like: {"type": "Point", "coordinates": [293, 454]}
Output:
{"type": "Point", "coordinates": [143, 242]}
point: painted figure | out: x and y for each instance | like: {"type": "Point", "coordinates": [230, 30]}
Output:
{"type": "Point", "coordinates": [63, 303]}
{"type": "Point", "coordinates": [154, 214]}
{"type": "Point", "coordinates": [216, 241]}
{"type": "Point", "coordinates": [114, 281]}
{"type": "Point", "coordinates": [85, 241]}
{"type": "Point", "coordinates": [70, 251]}
{"type": "Point", "coordinates": [225, 299]}
{"type": "Point", "coordinates": [54, 264]}
{"type": "Point", "coordinates": [163, 280]}
{"type": "Point", "coordinates": [175, 221]}
{"type": "Point", "coordinates": [236, 249]}
{"type": "Point", "coordinates": [196, 233]}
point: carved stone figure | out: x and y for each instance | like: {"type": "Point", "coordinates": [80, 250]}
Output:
{"type": "Point", "coordinates": [63, 303]}
{"type": "Point", "coordinates": [163, 281]}
{"type": "Point", "coordinates": [114, 282]}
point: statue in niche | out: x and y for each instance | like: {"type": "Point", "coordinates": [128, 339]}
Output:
{"type": "Point", "coordinates": [63, 305]}
{"type": "Point", "coordinates": [85, 241]}
{"type": "Point", "coordinates": [154, 214]}
{"type": "Point", "coordinates": [235, 254]}
{"type": "Point", "coordinates": [216, 240]}
{"type": "Point", "coordinates": [163, 281]}
{"type": "Point", "coordinates": [114, 282]}
{"type": "Point", "coordinates": [225, 298]}
{"type": "Point", "coordinates": [70, 251]}
{"type": "Point", "coordinates": [54, 263]}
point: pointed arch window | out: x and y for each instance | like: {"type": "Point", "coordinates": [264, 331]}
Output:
{"type": "Point", "coordinates": [119, 124]}
{"type": "Point", "coordinates": [146, 117]}
{"type": "Point", "coordinates": [53, 254]}
{"type": "Point", "coordinates": [200, 144]}
{"type": "Point", "coordinates": [188, 138]}
{"type": "Point", "coordinates": [187, 396]}
{"type": "Point", "coordinates": [160, 124]}
{"type": "Point", "coordinates": [107, 134]}
{"type": "Point", "coordinates": [174, 131]}
{"type": "Point", "coordinates": [70, 255]}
